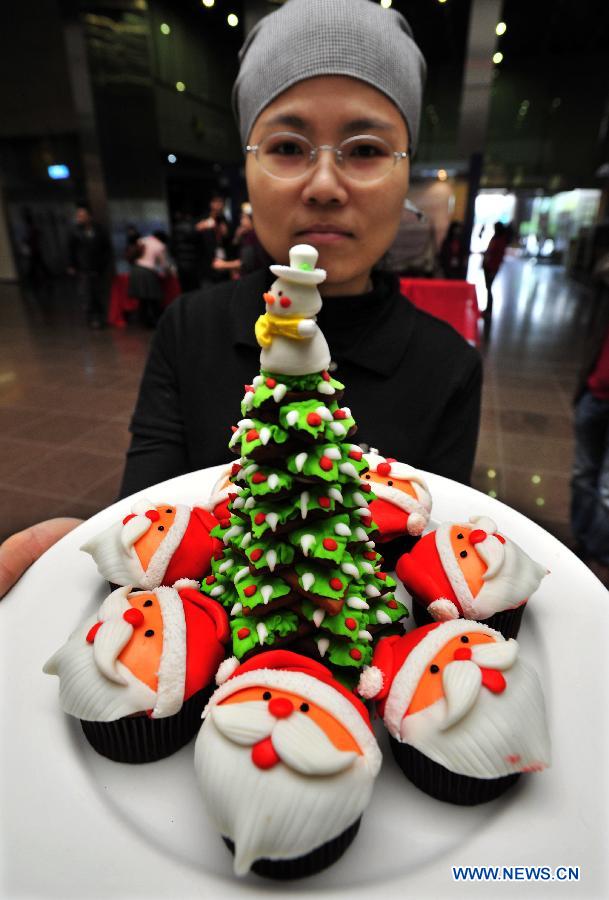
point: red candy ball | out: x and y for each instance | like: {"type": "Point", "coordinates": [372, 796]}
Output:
{"type": "Point", "coordinates": [252, 435]}
{"type": "Point", "coordinates": [256, 554]}
{"type": "Point", "coordinates": [324, 502]}
{"type": "Point", "coordinates": [271, 383]}
{"type": "Point", "coordinates": [329, 544]}
{"type": "Point", "coordinates": [355, 653]}
{"type": "Point", "coordinates": [339, 414]}
{"type": "Point", "coordinates": [351, 623]}
{"type": "Point", "coordinates": [356, 454]}
{"type": "Point", "coordinates": [259, 518]}
{"type": "Point", "coordinates": [243, 633]}
{"type": "Point", "coordinates": [325, 463]}
{"type": "Point", "coordinates": [258, 478]}
{"type": "Point", "coordinates": [336, 584]}
{"type": "Point", "coordinates": [314, 419]}
{"type": "Point", "coordinates": [250, 590]}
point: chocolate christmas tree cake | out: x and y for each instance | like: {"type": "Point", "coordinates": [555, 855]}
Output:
{"type": "Point", "coordinates": [299, 565]}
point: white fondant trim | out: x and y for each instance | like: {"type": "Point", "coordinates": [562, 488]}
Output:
{"type": "Point", "coordinates": [400, 499]}
{"type": "Point", "coordinates": [221, 489]}
{"type": "Point", "coordinates": [186, 583]}
{"type": "Point", "coordinates": [370, 682]}
{"type": "Point", "coordinates": [172, 667]}
{"type": "Point", "coordinates": [161, 557]}
{"type": "Point", "coordinates": [313, 689]}
{"type": "Point", "coordinates": [452, 568]}
{"type": "Point", "coordinates": [226, 668]}
{"type": "Point", "coordinates": [408, 676]}
{"type": "Point", "coordinates": [443, 609]}
{"type": "Point", "coordinates": [113, 561]}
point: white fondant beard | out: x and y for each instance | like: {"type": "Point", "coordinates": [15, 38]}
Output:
{"type": "Point", "coordinates": [274, 813]}
{"type": "Point", "coordinates": [501, 733]}
{"type": "Point", "coordinates": [85, 692]}
{"type": "Point", "coordinates": [510, 579]}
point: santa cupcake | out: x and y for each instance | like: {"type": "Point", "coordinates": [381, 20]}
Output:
{"type": "Point", "coordinates": [401, 507]}
{"type": "Point", "coordinates": [138, 674]}
{"type": "Point", "coordinates": [471, 571]}
{"type": "Point", "coordinates": [286, 760]}
{"type": "Point", "coordinates": [465, 715]}
{"type": "Point", "coordinates": [155, 544]}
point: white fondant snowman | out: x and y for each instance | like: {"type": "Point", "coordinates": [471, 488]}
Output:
{"type": "Point", "coordinates": [292, 342]}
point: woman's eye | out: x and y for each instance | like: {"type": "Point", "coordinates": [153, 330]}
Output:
{"type": "Point", "coordinates": [286, 148]}
{"type": "Point", "coordinates": [365, 151]}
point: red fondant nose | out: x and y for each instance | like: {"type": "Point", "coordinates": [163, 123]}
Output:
{"type": "Point", "coordinates": [281, 707]}
{"type": "Point", "coordinates": [285, 302]}
{"type": "Point", "coordinates": [462, 653]}
{"type": "Point", "coordinates": [134, 616]}
{"type": "Point", "coordinates": [477, 536]}
{"type": "Point", "coordinates": [153, 515]}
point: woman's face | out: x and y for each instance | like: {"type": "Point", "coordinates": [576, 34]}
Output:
{"type": "Point", "coordinates": [350, 223]}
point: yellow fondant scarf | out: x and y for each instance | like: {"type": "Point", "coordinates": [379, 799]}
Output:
{"type": "Point", "coordinates": [269, 326]}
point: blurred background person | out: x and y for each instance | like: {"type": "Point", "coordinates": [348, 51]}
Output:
{"type": "Point", "coordinates": [145, 282]}
{"type": "Point", "coordinates": [215, 235]}
{"type": "Point", "coordinates": [491, 263]}
{"type": "Point", "coordinates": [251, 254]}
{"type": "Point", "coordinates": [90, 253]}
{"type": "Point", "coordinates": [186, 249]}
{"type": "Point", "coordinates": [453, 252]}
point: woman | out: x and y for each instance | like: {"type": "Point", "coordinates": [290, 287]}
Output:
{"type": "Point", "coordinates": [303, 100]}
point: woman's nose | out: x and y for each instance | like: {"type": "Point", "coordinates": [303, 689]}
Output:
{"type": "Point", "coordinates": [325, 182]}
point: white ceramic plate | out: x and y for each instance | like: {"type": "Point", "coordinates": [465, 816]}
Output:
{"type": "Point", "coordinates": [75, 825]}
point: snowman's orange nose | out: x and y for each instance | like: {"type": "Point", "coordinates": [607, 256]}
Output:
{"type": "Point", "coordinates": [134, 617]}
{"type": "Point", "coordinates": [268, 298]}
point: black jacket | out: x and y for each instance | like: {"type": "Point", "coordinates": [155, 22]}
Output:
{"type": "Point", "coordinates": [89, 248]}
{"type": "Point", "coordinates": [412, 383]}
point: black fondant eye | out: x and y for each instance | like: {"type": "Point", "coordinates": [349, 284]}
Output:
{"type": "Point", "coordinates": [304, 707]}
{"type": "Point", "coordinates": [463, 554]}
{"type": "Point", "coordinates": [368, 477]}
{"type": "Point", "coordinates": [464, 639]}
{"type": "Point", "coordinates": [267, 695]}
{"type": "Point", "coordinates": [460, 537]}
{"type": "Point", "coordinates": [434, 668]}
{"type": "Point", "coordinates": [390, 484]}
{"type": "Point", "coordinates": [161, 528]}
{"type": "Point", "coordinates": [280, 293]}
{"type": "Point", "coordinates": [148, 603]}
{"type": "Point", "coordinates": [168, 510]}
{"type": "Point", "coordinates": [149, 633]}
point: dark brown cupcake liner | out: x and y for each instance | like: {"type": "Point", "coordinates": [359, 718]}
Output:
{"type": "Point", "coordinates": [140, 739]}
{"type": "Point", "coordinates": [439, 782]}
{"type": "Point", "coordinates": [506, 622]}
{"type": "Point", "coordinates": [303, 866]}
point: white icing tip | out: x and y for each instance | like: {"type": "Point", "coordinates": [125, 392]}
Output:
{"type": "Point", "coordinates": [271, 559]}
{"type": "Point", "coordinates": [318, 617]}
{"type": "Point", "coordinates": [267, 592]}
{"type": "Point", "coordinates": [241, 574]}
{"type": "Point", "coordinates": [382, 618]}
{"type": "Point", "coordinates": [273, 481]}
{"type": "Point", "coordinates": [322, 646]}
{"type": "Point", "coordinates": [272, 520]}
{"type": "Point", "coordinates": [300, 461]}
{"type": "Point", "coordinates": [357, 603]}
{"type": "Point", "coordinates": [292, 417]}
{"type": "Point", "coordinates": [307, 581]}
{"type": "Point", "coordinates": [237, 608]}
{"type": "Point", "coordinates": [279, 393]}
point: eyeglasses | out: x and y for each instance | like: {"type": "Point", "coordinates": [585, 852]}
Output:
{"type": "Point", "coordinates": [288, 156]}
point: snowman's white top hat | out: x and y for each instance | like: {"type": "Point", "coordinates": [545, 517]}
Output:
{"type": "Point", "coordinates": [301, 270]}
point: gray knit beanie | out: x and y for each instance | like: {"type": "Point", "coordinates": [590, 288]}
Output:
{"type": "Point", "coordinates": [305, 38]}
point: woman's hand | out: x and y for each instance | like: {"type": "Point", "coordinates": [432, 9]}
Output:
{"type": "Point", "coordinates": [20, 550]}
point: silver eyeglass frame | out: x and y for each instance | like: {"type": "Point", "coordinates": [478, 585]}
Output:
{"type": "Point", "coordinates": [314, 155]}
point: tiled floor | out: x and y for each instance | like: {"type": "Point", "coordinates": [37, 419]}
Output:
{"type": "Point", "coordinates": [66, 394]}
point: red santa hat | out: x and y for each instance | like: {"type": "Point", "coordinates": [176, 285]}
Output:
{"type": "Point", "coordinates": [395, 511]}
{"type": "Point", "coordinates": [432, 573]}
{"type": "Point", "coordinates": [284, 670]}
{"type": "Point", "coordinates": [399, 662]}
{"type": "Point", "coordinates": [185, 551]}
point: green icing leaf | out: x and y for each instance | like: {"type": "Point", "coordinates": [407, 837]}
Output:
{"type": "Point", "coordinates": [275, 481]}
{"type": "Point", "coordinates": [394, 612]}
{"type": "Point", "coordinates": [323, 580]}
{"type": "Point", "coordinates": [249, 633]}
{"type": "Point", "coordinates": [339, 653]}
{"type": "Point", "coordinates": [284, 553]}
{"type": "Point", "coordinates": [347, 623]}
{"type": "Point", "coordinates": [321, 539]}
{"type": "Point", "coordinates": [276, 435]}
{"type": "Point", "coordinates": [263, 394]}
{"type": "Point", "coordinates": [267, 588]}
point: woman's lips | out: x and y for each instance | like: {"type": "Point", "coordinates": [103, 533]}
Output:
{"type": "Point", "coordinates": [315, 237]}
